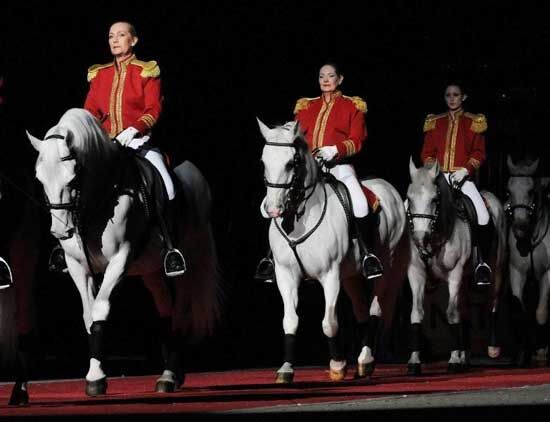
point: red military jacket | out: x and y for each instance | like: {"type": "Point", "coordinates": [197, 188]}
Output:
{"type": "Point", "coordinates": [339, 122]}
{"type": "Point", "coordinates": [125, 95]}
{"type": "Point", "coordinates": [455, 143]}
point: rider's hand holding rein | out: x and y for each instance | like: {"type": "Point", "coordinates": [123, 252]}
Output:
{"type": "Point", "coordinates": [459, 177]}
{"type": "Point", "coordinates": [327, 153]}
{"type": "Point", "coordinates": [126, 136]}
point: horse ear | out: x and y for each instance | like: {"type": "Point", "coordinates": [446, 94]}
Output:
{"type": "Point", "coordinates": [297, 129]}
{"type": "Point", "coordinates": [533, 167]}
{"type": "Point", "coordinates": [412, 168]}
{"type": "Point", "coordinates": [266, 132]}
{"type": "Point", "coordinates": [511, 167]}
{"type": "Point", "coordinates": [434, 170]}
{"type": "Point", "coordinates": [34, 141]}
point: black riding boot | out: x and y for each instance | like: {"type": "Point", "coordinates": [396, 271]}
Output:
{"type": "Point", "coordinates": [367, 228]}
{"type": "Point", "coordinates": [56, 262]}
{"type": "Point", "coordinates": [6, 279]}
{"type": "Point", "coordinates": [265, 271]}
{"type": "Point", "coordinates": [174, 263]}
{"type": "Point", "coordinates": [483, 272]}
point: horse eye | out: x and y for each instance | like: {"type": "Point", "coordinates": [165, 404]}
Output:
{"type": "Point", "coordinates": [289, 165]}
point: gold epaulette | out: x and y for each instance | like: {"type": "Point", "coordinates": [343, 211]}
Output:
{"type": "Point", "coordinates": [92, 70]}
{"type": "Point", "coordinates": [429, 122]}
{"type": "Point", "coordinates": [148, 69]}
{"type": "Point", "coordinates": [359, 103]}
{"type": "Point", "coordinates": [302, 104]}
{"type": "Point", "coordinates": [479, 122]}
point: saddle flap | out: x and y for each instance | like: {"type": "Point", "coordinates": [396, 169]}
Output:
{"type": "Point", "coordinates": [151, 185]}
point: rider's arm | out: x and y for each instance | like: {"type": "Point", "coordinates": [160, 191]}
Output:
{"type": "Point", "coordinates": [477, 153]}
{"type": "Point", "coordinates": [358, 130]}
{"type": "Point", "coordinates": [153, 105]}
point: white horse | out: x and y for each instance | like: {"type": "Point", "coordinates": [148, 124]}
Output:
{"type": "Point", "coordinates": [528, 208]}
{"type": "Point", "coordinates": [105, 225]}
{"type": "Point", "coordinates": [441, 248]}
{"type": "Point", "coordinates": [319, 246]}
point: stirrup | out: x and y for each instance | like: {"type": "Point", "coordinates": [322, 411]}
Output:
{"type": "Point", "coordinates": [56, 261]}
{"type": "Point", "coordinates": [482, 274]}
{"type": "Point", "coordinates": [372, 267]}
{"type": "Point", "coordinates": [174, 263]}
{"type": "Point", "coordinates": [265, 271]}
{"type": "Point", "coordinates": [6, 277]}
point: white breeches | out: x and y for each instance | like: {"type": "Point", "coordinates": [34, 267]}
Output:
{"type": "Point", "coordinates": [346, 174]}
{"type": "Point", "coordinates": [156, 159]}
{"type": "Point", "coordinates": [469, 189]}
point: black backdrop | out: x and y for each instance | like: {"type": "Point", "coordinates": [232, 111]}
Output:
{"type": "Point", "coordinates": [224, 63]}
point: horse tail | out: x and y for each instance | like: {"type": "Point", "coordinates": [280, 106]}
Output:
{"type": "Point", "coordinates": [199, 300]}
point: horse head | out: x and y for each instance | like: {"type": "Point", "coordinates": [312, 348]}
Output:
{"type": "Point", "coordinates": [287, 164]}
{"type": "Point", "coordinates": [423, 202]}
{"type": "Point", "coordinates": [523, 195]}
{"type": "Point", "coordinates": [56, 170]}
{"type": "Point", "coordinates": [74, 150]}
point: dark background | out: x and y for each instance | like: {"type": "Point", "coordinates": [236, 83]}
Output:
{"type": "Point", "coordinates": [224, 63]}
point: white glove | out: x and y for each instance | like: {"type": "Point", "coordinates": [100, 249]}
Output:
{"type": "Point", "coordinates": [327, 153]}
{"type": "Point", "coordinates": [127, 135]}
{"type": "Point", "coordinates": [459, 176]}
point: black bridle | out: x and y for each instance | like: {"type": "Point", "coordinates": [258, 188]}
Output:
{"type": "Point", "coordinates": [296, 187]}
{"type": "Point", "coordinates": [425, 254]}
{"type": "Point", "coordinates": [531, 208]}
{"type": "Point", "coordinates": [73, 206]}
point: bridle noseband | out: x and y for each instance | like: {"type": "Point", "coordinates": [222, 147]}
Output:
{"type": "Point", "coordinates": [425, 254]}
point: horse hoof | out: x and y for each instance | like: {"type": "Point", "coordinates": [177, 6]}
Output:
{"type": "Point", "coordinates": [165, 387]}
{"type": "Point", "coordinates": [493, 352]}
{"type": "Point", "coordinates": [337, 374]}
{"type": "Point", "coordinates": [19, 397]}
{"type": "Point", "coordinates": [365, 370]}
{"type": "Point", "coordinates": [96, 388]}
{"type": "Point", "coordinates": [414, 369]}
{"type": "Point", "coordinates": [284, 378]}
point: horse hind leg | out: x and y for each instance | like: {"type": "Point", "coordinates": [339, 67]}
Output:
{"type": "Point", "coordinates": [173, 374]}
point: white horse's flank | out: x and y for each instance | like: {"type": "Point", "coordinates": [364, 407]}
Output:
{"type": "Point", "coordinates": [529, 244]}
{"type": "Point", "coordinates": [327, 254]}
{"type": "Point", "coordinates": [444, 256]}
{"type": "Point", "coordinates": [77, 160]}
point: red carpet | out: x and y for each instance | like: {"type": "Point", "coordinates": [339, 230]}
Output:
{"type": "Point", "coordinates": [240, 389]}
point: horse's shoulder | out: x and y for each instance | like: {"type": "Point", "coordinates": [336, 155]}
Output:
{"type": "Point", "coordinates": [303, 103]}
{"type": "Point", "coordinates": [430, 121]}
{"type": "Point", "coordinates": [94, 69]}
{"type": "Point", "coordinates": [479, 122]}
{"type": "Point", "coordinates": [358, 102]}
{"type": "Point", "coordinates": [149, 69]}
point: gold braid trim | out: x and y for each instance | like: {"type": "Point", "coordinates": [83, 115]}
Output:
{"type": "Point", "coordinates": [148, 120]}
{"type": "Point", "coordinates": [429, 122]}
{"type": "Point", "coordinates": [359, 103]}
{"type": "Point", "coordinates": [479, 122]}
{"type": "Point", "coordinates": [350, 147]}
{"type": "Point", "coordinates": [94, 69]}
{"type": "Point", "coordinates": [148, 69]}
{"type": "Point", "coordinates": [302, 104]}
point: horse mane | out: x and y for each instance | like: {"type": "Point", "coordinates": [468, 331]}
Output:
{"type": "Point", "coordinates": [97, 157]}
{"type": "Point", "coordinates": [447, 211]}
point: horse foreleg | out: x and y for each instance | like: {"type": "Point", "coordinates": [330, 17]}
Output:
{"type": "Point", "coordinates": [457, 361]}
{"type": "Point", "coordinates": [542, 321]}
{"type": "Point", "coordinates": [365, 361]}
{"type": "Point", "coordinates": [288, 284]}
{"type": "Point", "coordinates": [96, 379]}
{"type": "Point", "coordinates": [417, 281]}
{"type": "Point", "coordinates": [331, 288]}
{"type": "Point", "coordinates": [518, 279]}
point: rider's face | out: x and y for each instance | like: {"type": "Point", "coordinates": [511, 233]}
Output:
{"type": "Point", "coordinates": [454, 97]}
{"type": "Point", "coordinates": [329, 80]}
{"type": "Point", "coordinates": [121, 40]}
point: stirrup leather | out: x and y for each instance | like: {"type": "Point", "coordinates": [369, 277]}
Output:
{"type": "Point", "coordinates": [182, 269]}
